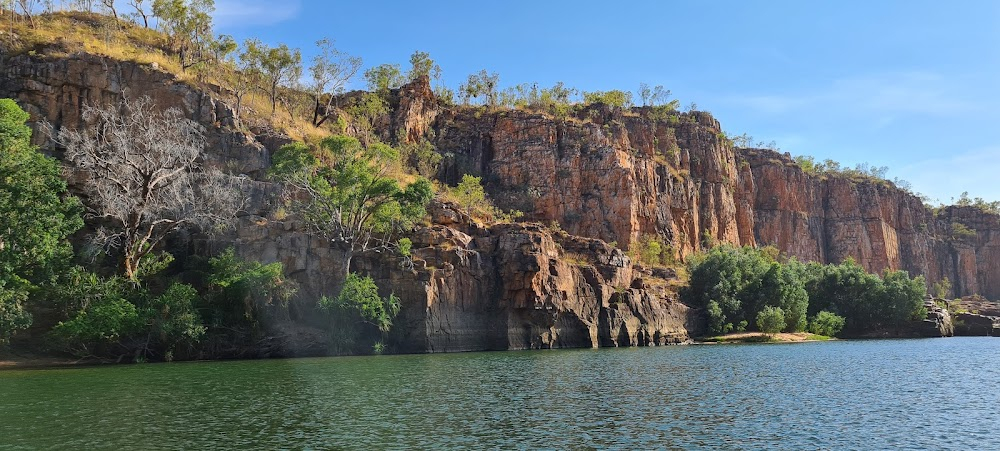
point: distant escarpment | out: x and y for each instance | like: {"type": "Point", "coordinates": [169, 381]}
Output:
{"type": "Point", "coordinates": [591, 184]}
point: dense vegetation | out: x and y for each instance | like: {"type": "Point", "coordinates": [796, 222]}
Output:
{"type": "Point", "coordinates": [36, 217]}
{"type": "Point", "coordinates": [746, 288]}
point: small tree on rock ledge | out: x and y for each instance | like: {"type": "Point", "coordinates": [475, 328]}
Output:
{"type": "Point", "coordinates": [344, 192]}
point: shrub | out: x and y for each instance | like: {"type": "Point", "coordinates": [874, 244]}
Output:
{"type": "Point", "coordinates": [359, 295]}
{"type": "Point", "coordinates": [237, 290]}
{"type": "Point", "coordinates": [615, 97]}
{"type": "Point", "coordinates": [422, 157]}
{"type": "Point", "coordinates": [960, 231]}
{"type": "Point", "coordinates": [652, 251]}
{"type": "Point", "coordinates": [771, 320]}
{"type": "Point", "coordinates": [826, 323]}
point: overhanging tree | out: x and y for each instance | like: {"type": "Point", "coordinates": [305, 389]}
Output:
{"type": "Point", "coordinates": [36, 217]}
{"type": "Point", "coordinates": [344, 191]}
{"type": "Point", "coordinates": [143, 178]}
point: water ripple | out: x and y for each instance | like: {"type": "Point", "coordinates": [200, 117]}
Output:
{"type": "Point", "coordinates": [889, 394]}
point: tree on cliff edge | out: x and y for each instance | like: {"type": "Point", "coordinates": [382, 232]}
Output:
{"type": "Point", "coordinates": [344, 192]}
{"type": "Point", "coordinates": [143, 178]}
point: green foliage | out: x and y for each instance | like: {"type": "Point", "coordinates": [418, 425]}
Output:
{"type": "Point", "coordinates": [384, 77]}
{"type": "Point", "coordinates": [983, 205]}
{"type": "Point", "coordinates": [189, 25]}
{"type": "Point", "coordinates": [732, 278]}
{"type": "Point", "coordinates": [172, 320]}
{"type": "Point", "coordinates": [275, 67]}
{"type": "Point", "coordinates": [736, 284]}
{"type": "Point", "coordinates": [555, 100]}
{"type": "Point", "coordinates": [827, 324]}
{"type": "Point", "coordinates": [105, 322]}
{"type": "Point", "coordinates": [13, 315]}
{"type": "Point", "coordinates": [445, 95]}
{"type": "Point", "coordinates": [99, 311]}
{"type": "Point", "coordinates": [36, 217]}
{"type": "Point", "coordinates": [345, 193]}
{"type": "Point", "coordinates": [115, 317]}
{"type": "Point", "coordinates": [238, 290]}
{"type": "Point", "coordinates": [405, 247]}
{"type": "Point", "coordinates": [962, 232]}
{"type": "Point", "coordinates": [866, 301]}
{"type": "Point", "coordinates": [860, 172]}
{"type": "Point", "coordinates": [421, 65]}
{"type": "Point", "coordinates": [653, 96]}
{"type": "Point", "coordinates": [652, 251]}
{"type": "Point", "coordinates": [359, 295]}
{"type": "Point", "coordinates": [421, 156]}
{"type": "Point", "coordinates": [716, 318]}
{"type": "Point", "coordinates": [615, 97]}
{"type": "Point", "coordinates": [941, 288]}
{"type": "Point", "coordinates": [771, 320]}
{"type": "Point", "coordinates": [470, 194]}
{"type": "Point", "coordinates": [366, 111]}
{"type": "Point", "coordinates": [481, 86]}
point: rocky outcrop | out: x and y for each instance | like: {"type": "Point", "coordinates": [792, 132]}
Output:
{"type": "Point", "coordinates": [828, 218]}
{"type": "Point", "coordinates": [604, 175]}
{"type": "Point", "coordinates": [937, 323]}
{"type": "Point", "coordinates": [975, 325]}
{"type": "Point", "coordinates": [507, 286]}
{"type": "Point", "coordinates": [58, 89]}
{"type": "Point", "coordinates": [977, 316]}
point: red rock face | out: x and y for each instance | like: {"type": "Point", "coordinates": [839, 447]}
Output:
{"type": "Point", "coordinates": [611, 177]}
{"type": "Point", "coordinates": [603, 175]}
{"type": "Point", "coordinates": [617, 176]}
{"type": "Point", "coordinates": [831, 218]}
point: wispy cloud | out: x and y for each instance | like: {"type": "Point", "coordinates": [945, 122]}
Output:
{"type": "Point", "coordinates": [883, 95]}
{"type": "Point", "coordinates": [243, 13]}
{"type": "Point", "coordinates": [945, 178]}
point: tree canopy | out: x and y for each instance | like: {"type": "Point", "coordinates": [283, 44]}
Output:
{"type": "Point", "coordinates": [345, 192]}
{"type": "Point", "coordinates": [36, 217]}
{"type": "Point", "coordinates": [735, 284]}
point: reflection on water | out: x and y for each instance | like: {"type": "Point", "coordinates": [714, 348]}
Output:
{"type": "Point", "coordinates": [936, 393]}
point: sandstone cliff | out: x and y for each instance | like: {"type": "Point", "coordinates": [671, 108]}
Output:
{"type": "Point", "coordinates": [604, 175]}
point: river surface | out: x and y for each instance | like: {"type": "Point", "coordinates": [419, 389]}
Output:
{"type": "Point", "coordinates": [880, 394]}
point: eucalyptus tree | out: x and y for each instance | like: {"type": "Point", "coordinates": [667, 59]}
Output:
{"type": "Point", "coordinates": [344, 191]}
{"type": "Point", "coordinates": [276, 67]}
{"type": "Point", "coordinates": [331, 71]}
{"type": "Point", "coordinates": [384, 77]}
{"type": "Point", "coordinates": [421, 65]}
{"type": "Point", "coordinates": [189, 25]}
{"type": "Point", "coordinates": [140, 12]}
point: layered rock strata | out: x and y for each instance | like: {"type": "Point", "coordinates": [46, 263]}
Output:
{"type": "Point", "coordinates": [604, 175]}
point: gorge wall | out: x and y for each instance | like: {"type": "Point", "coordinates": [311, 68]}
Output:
{"type": "Point", "coordinates": [604, 175]}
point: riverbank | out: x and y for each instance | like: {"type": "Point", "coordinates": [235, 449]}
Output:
{"type": "Point", "coordinates": [758, 337]}
{"type": "Point", "coordinates": [9, 361]}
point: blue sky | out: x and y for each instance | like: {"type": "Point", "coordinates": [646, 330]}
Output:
{"type": "Point", "coordinates": [912, 85]}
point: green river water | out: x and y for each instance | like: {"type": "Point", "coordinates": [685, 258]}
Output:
{"type": "Point", "coordinates": [881, 394]}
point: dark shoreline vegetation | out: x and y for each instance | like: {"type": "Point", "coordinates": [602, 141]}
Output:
{"type": "Point", "coordinates": [86, 268]}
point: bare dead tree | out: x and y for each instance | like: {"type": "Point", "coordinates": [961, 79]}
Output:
{"type": "Point", "coordinates": [143, 178]}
